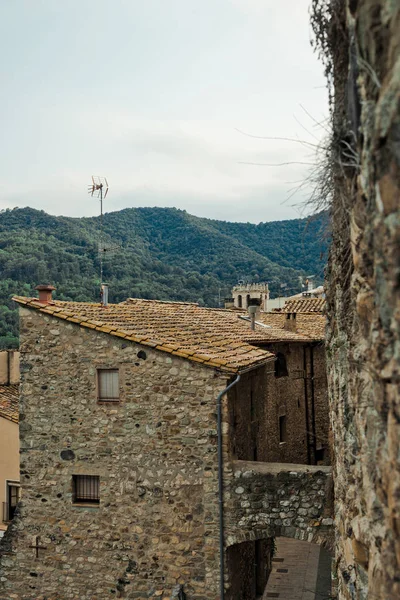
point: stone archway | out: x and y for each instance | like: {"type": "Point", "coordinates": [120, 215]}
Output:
{"type": "Point", "coordinates": [315, 536]}
{"type": "Point", "coordinates": [271, 499]}
{"type": "Point", "coordinates": [267, 501]}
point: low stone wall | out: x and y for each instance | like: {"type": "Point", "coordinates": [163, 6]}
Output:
{"type": "Point", "coordinates": [272, 499]}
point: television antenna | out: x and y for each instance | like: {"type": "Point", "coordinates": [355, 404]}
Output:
{"type": "Point", "coordinates": [99, 188]}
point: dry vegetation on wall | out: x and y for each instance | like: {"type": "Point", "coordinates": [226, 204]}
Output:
{"type": "Point", "coordinates": [359, 44]}
{"type": "Point", "coordinates": [338, 164]}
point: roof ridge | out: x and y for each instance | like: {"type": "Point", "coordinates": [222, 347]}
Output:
{"type": "Point", "coordinates": [129, 300]}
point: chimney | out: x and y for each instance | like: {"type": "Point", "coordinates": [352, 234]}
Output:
{"type": "Point", "coordinates": [9, 367]}
{"type": "Point", "coordinates": [290, 322]}
{"type": "Point", "coordinates": [229, 303]}
{"type": "Point", "coordinates": [45, 293]}
{"type": "Point", "coordinates": [254, 311]}
{"type": "Point", "coordinates": [310, 283]}
{"type": "Point", "coordinates": [104, 294]}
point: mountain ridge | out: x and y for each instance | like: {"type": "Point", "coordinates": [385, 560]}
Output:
{"type": "Point", "coordinates": [164, 253]}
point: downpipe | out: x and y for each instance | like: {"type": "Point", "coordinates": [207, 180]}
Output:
{"type": "Point", "coordinates": [220, 485]}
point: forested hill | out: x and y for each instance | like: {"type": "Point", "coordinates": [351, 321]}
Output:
{"type": "Point", "coordinates": [163, 253]}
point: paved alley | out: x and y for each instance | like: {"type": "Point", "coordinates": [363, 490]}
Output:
{"type": "Point", "coordinates": [301, 571]}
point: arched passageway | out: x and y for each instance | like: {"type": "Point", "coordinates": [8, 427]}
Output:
{"type": "Point", "coordinates": [268, 500]}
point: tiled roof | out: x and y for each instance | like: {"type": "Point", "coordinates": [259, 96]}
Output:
{"type": "Point", "coordinates": [310, 325]}
{"type": "Point", "coordinates": [184, 330]}
{"type": "Point", "coordinates": [217, 338]}
{"type": "Point", "coordinates": [304, 305]}
{"type": "Point", "coordinates": [9, 395]}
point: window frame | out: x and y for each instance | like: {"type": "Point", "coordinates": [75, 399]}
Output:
{"type": "Point", "coordinates": [8, 508]}
{"type": "Point", "coordinates": [94, 483]}
{"type": "Point", "coordinates": [100, 398]}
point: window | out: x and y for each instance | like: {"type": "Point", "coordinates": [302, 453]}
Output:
{"type": "Point", "coordinates": [12, 498]}
{"type": "Point", "coordinates": [86, 489]}
{"type": "Point", "coordinates": [282, 429]}
{"type": "Point", "coordinates": [240, 301]}
{"type": "Point", "coordinates": [108, 385]}
{"type": "Point", "coordinates": [280, 365]}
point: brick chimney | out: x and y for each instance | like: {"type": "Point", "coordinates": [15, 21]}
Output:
{"type": "Point", "coordinates": [45, 293]}
{"type": "Point", "coordinates": [290, 322]}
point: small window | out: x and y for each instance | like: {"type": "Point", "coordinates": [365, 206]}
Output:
{"type": "Point", "coordinates": [280, 365]}
{"type": "Point", "coordinates": [282, 429]}
{"type": "Point", "coordinates": [86, 489]}
{"type": "Point", "coordinates": [240, 301]}
{"type": "Point", "coordinates": [13, 496]}
{"type": "Point", "coordinates": [108, 385]}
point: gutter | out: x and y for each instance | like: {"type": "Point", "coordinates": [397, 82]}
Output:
{"type": "Point", "coordinates": [220, 486]}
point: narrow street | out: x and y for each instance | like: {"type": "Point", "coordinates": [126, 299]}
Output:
{"type": "Point", "coordinates": [301, 571]}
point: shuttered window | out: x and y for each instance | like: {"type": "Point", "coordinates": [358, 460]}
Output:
{"type": "Point", "coordinates": [108, 385]}
{"type": "Point", "coordinates": [86, 489]}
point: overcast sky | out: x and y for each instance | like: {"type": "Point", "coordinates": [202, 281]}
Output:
{"type": "Point", "coordinates": [150, 93]}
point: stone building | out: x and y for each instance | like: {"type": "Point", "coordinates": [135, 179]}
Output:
{"type": "Point", "coordinates": [244, 292]}
{"type": "Point", "coordinates": [140, 469]}
{"type": "Point", "coordinates": [361, 44]}
{"type": "Point", "coordinates": [9, 436]}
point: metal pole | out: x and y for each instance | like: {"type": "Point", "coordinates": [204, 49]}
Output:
{"type": "Point", "coordinates": [101, 235]}
{"type": "Point", "coordinates": [220, 486]}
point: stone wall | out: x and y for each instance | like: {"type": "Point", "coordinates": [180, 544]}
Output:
{"type": "Point", "coordinates": [267, 500]}
{"type": "Point", "coordinates": [363, 296]}
{"type": "Point", "coordinates": [249, 565]}
{"type": "Point", "coordinates": [260, 399]}
{"type": "Point", "coordinates": [155, 451]}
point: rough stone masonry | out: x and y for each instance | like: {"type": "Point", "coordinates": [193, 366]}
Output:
{"type": "Point", "coordinates": [362, 38]}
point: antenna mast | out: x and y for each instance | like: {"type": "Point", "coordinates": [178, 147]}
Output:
{"type": "Point", "coordinates": [97, 186]}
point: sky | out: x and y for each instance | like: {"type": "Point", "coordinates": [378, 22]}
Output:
{"type": "Point", "coordinates": [162, 97]}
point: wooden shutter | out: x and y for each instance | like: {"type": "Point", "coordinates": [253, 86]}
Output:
{"type": "Point", "coordinates": [108, 385]}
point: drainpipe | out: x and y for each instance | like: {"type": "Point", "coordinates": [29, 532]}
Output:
{"type": "Point", "coordinates": [314, 431]}
{"type": "Point", "coordinates": [306, 404]}
{"type": "Point", "coordinates": [220, 486]}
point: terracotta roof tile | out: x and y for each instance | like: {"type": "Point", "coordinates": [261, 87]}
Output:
{"type": "Point", "coordinates": [304, 305]}
{"type": "Point", "coordinates": [9, 397]}
{"type": "Point", "coordinates": [214, 337]}
{"type": "Point", "coordinates": [311, 325]}
{"type": "Point", "coordinates": [210, 336]}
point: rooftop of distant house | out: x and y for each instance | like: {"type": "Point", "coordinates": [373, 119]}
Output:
{"type": "Point", "coordinates": [304, 305]}
{"type": "Point", "coordinates": [217, 338]}
{"type": "Point", "coordinates": [9, 395]}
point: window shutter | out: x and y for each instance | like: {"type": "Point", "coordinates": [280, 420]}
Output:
{"type": "Point", "coordinates": [108, 382]}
